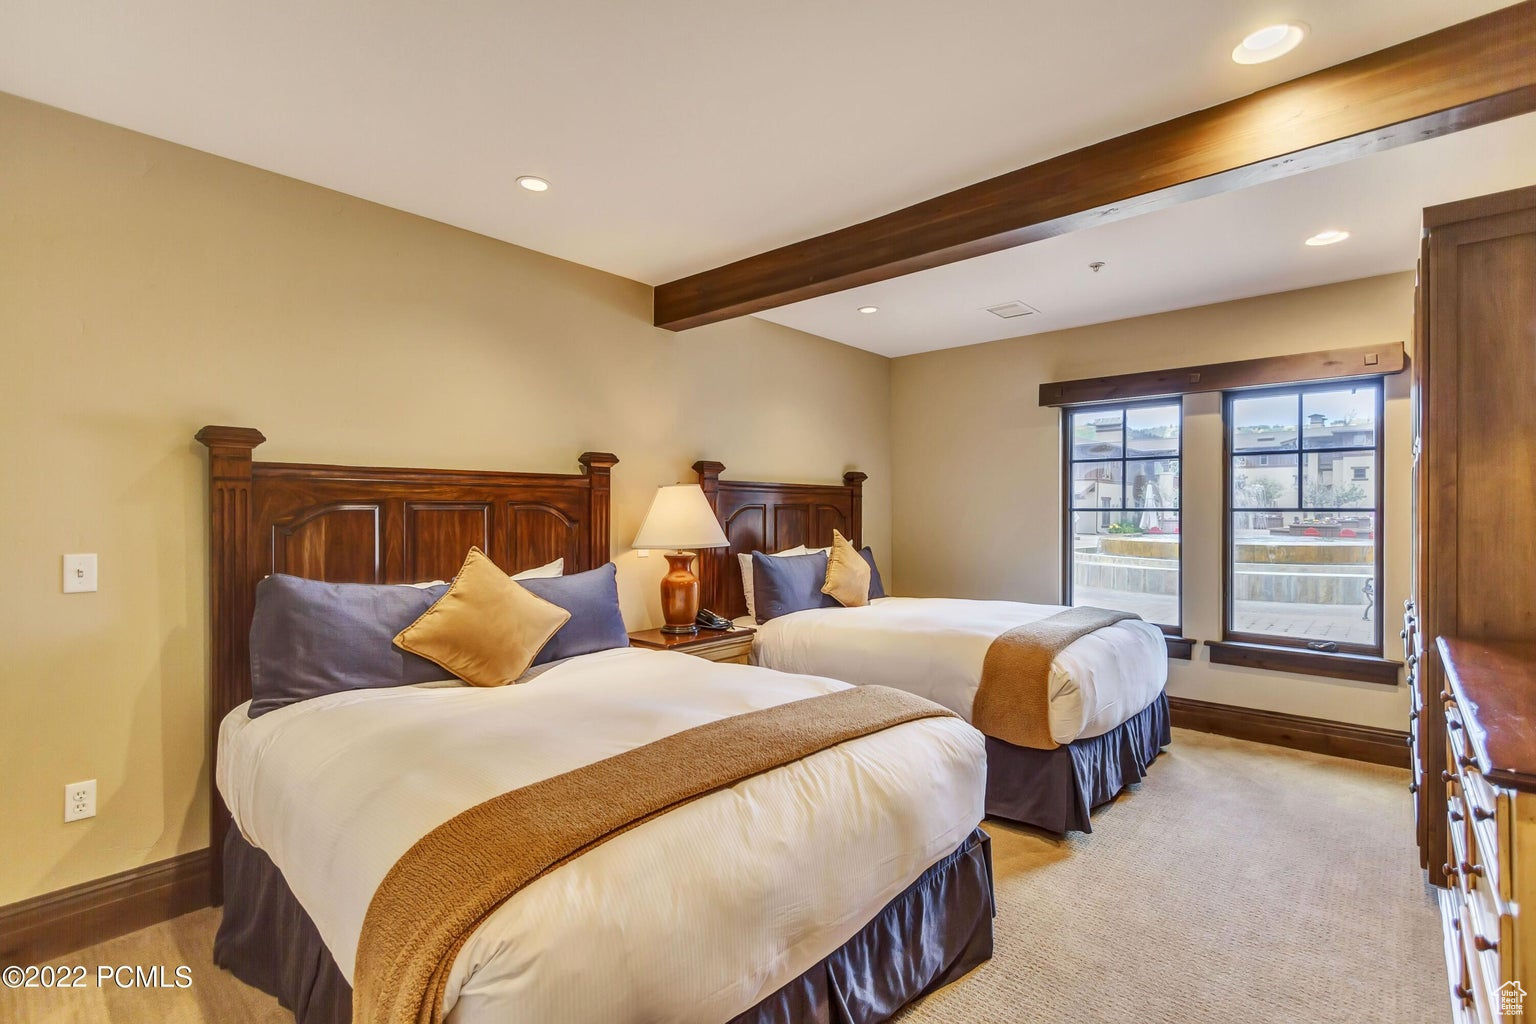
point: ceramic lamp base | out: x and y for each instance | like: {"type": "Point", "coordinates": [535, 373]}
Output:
{"type": "Point", "coordinates": [680, 594]}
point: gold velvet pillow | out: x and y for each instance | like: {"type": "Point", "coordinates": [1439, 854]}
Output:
{"type": "Point", "coordinates": [847, 574]}
{"type": "Point", "coordinates": [487, 629]}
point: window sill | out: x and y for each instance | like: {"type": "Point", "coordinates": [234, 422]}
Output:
{"type": "Point", "coordinates": [1363, 668]}
{"type": "Point", "coordinates": [1180, 647]}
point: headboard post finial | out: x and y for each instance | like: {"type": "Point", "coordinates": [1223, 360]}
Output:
{"type": "Point", "coordinates": [709, 480]}
{"type": "Point", "coordinates": [712, 563]}
{"type": "Point", "coordinates": [854, 481]}
{"type": "Point", "coordinates": [599, 469]}
{"type": "Point", "coordinates": [230, 597]}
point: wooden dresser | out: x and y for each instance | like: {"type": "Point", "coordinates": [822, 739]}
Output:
{"type": "Point", "coordinates": [1490, 717]}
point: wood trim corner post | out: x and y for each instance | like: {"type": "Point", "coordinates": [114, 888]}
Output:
{"type": "Point", "coordinates": [229, 603]}
{"type": "Point", "coordinates": [599, 468]}
{"type": "Point", "coordinates": [854, 481]}
{"type": "Point", "coordinates": [715, 561]}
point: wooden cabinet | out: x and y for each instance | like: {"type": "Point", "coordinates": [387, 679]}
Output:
{"type": "Point", "coordinates": [1474, 395]}
{"type": "Point", "coordinates": [1474, 541]}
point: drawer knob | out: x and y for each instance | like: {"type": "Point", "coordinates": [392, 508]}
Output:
{"type": "Point", "coordinates": [1483, 945]}
{"type": "Point", "coordinates": [1463, 993]}
{"type": "Point", "coordinates": [1413, 787]}
{"type": "Point", "coordinates": [1445, 695]}
{"type": "Point", "coordinates": [1449, 870]}
{"type": "Point", "coordinates": [1472, 869]}
{"type": "Point", "coordinates": [1451, 723]}
{"type": "Point", "coordinates": [1413, 659]}
{"type": "Point", "coordinates": [1482, 814]}
{"type": "Point", "coordinates": [1455, 815]}
{"type": "Point", "coordinates": [1468, 762]}
{"type": "Point", "coordinates": [1447, 777]}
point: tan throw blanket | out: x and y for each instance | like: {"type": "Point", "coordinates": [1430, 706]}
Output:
{"type": "Point", "coordinates": [1014, 699]}
{"type": "Point", "coordinates": [440, 891]}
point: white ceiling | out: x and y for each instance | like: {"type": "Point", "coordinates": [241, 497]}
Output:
{"type": "Point", "coordinates": [1229, 246]}
{"type": "Point", "coordinates": [679, 134]}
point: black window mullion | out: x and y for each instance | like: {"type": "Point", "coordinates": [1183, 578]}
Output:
{"type": "Point", "coordinates": [1301, 474]}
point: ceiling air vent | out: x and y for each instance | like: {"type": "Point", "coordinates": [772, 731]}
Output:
{"type": "Point", "coordinates": [1009, 310]}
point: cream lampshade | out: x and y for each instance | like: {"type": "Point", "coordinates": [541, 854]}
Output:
{"type": "Point", "coordinates": [680, 522]}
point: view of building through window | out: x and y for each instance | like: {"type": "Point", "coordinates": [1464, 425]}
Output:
{"type": "Point", "coordinates": [1123, 479]}
{"type": "Point", "coordinates": [1304, 507]}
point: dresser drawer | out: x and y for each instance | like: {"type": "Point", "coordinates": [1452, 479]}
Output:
{"type": "Point", "coordinates": [1459, 980]}
{"type": "Point", "coordinates": [1489, 833]}
{"type": "Point", "coordinates": [1481, 970]}
{"type": "Point", "coordinates": [1460, 755]}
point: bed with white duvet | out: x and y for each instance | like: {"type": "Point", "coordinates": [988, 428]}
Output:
{"type": "Point", "coordinates": [1107, 701]}
{"type": "Point", "coordinates": [934, 647]}
{"type": "Point", "coordinates": [694, 916]}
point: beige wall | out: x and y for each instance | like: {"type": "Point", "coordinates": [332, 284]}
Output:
{"type": "Point", "coordinates": [147, 289]}
{"type": "Point", "coordinates": [978, 472]}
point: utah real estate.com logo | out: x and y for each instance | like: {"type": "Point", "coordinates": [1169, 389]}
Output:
{"type": "Point", "coordinates": [1511, 999]}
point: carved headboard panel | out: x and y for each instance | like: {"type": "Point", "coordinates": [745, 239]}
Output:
{"type": "Point", "coordinates": [771, 517]}
{"type": "Point", "coordinates": [351, 524]}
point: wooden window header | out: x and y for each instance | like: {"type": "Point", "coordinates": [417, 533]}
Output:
{"type": "Point", "coordinates": [1302, 368]}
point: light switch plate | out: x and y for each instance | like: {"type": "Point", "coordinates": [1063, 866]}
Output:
{"type": "Point", "coordinates": [79, 574]}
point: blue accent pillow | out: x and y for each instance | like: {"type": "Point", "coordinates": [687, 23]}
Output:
{"type": "Point", "coordinates": [592, 598]}
{"type": "Point", "coordinates": [876, 587]}
{"type": "Point", "coordinates": [310, 638]}
{"type": "Point", "coordinates": [788, 583]}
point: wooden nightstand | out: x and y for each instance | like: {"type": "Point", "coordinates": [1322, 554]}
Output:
{"type": "Point", "coordinates": [731, 646]}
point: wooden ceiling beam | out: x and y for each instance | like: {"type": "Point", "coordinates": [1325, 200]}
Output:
{"type": "Point", "coordinates": [1469, 74]}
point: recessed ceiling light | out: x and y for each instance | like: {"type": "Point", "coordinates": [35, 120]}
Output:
{"type": "Point", "coordinates": [533, 184]}
{"type": "Point", "coordinates": [1268, 43]}
{"type": "Point", "coordinates": [1328, 238]}
{"type": "Point", "coordinates": [869, 309]}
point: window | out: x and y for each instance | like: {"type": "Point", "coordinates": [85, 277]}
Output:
{"type": "Point", "coordinates": [1123, 496]}
{"type": "Point", "coordinates": [1303, 508]}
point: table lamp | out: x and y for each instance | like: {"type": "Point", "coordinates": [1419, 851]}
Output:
{"type": "Point", "coordinates": [680, 522]}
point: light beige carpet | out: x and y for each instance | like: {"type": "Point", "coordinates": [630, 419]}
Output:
{"type": "Point", "coordinates": [1239, 883]}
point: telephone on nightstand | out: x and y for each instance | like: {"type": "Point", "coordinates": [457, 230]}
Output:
{"type": "Point", "coordinates": [709, 620]}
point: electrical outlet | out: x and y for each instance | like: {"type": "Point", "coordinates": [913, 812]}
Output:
{"type": "Point", "coordinates": [80, 800]}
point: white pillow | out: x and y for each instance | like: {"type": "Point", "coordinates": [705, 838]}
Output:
{"type": "Point", "coordinates": [745, 561]}
{"type": "Point", "coordinates": [543, 572]}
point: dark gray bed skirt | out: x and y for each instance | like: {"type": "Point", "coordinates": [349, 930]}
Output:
{"type": "Point", "coordinates": [932, 933]}
{"type": "Point", "coordinates": [1056, 789]}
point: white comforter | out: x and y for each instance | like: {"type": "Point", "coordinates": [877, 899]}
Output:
{"type": "Point", "coordinates": [934, 647]}
{"type": "Point", "coordinates": [693, 916]}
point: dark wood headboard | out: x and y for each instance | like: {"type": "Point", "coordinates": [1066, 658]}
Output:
{"type": "Point", "coordinates": [771, 517]}
{"type": "Point", "coordinates": [353, 524]}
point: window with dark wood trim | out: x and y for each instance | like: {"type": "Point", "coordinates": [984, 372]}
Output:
{"type": "Point", "coordinates": [1303, 518]}
{"type": "Point", "coordinates": [1122, 545]}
